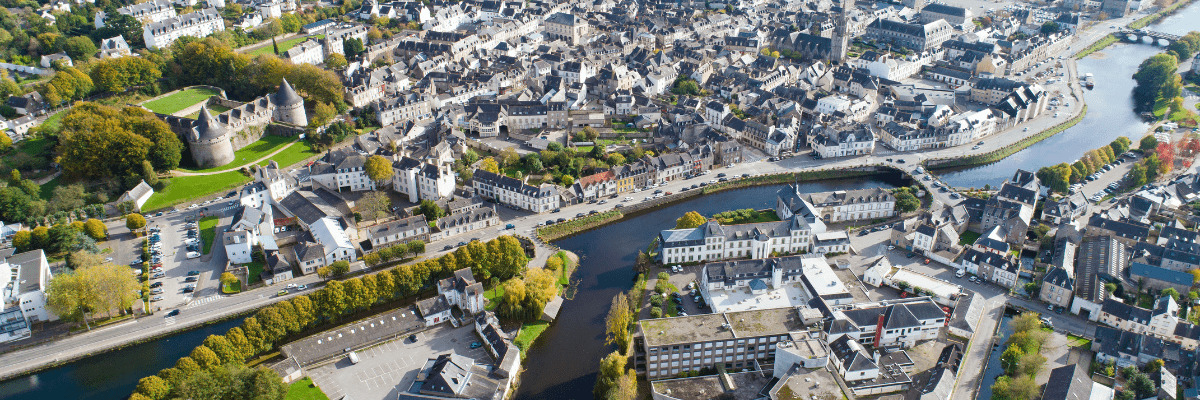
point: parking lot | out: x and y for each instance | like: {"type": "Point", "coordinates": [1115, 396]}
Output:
{"type": "Point", "coordinates": [383, 371]}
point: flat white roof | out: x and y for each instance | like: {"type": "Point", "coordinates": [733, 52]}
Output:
{"type": "Point", "coordinates": [943, 289]}
{"type": "Point", "coordinates": [822, 278]}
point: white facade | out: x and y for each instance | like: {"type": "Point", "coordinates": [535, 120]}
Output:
{"type": "Point", "coordinates": [421, 181]}
{"type": "Point", "coordinates": [24, 283]}
{"type": "Point", "coordinates": [198, 24]}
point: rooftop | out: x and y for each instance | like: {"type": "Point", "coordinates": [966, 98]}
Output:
{"type": "Point", "coordinates": [709, 327]}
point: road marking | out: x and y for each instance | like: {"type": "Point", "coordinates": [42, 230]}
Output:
{"type": "Point", "coordinates": [170, 321]}
{"type": "Point", "coordinates": [202, 301]}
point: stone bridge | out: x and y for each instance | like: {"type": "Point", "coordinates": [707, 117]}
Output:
{"type": "Point", "coordinates": [1144, 36]}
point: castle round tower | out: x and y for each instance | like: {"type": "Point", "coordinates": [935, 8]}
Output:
{"type": "Point", "coordinates": [209, 141]}
{"type": "Point", "coordinates": [289, 106]}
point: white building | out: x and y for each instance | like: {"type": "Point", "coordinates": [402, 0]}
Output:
{"type": "Point", "coordinates": [515, 193]}
{"type": "Point", "coordinates": [146, 12]}
{"type": "Point", "coordinates": [903, 323]}
{"type": "Point", "coordinates": [198, 24]}
{"type": "Point", "coordinates": [422, 181]}
{"type": "Point", "coordinates": [26, 277]}
{"type": "Point", "coordinates": [399, 231]}
{"type": "Point", "coordinates": [343, 169]}
{"type": "Point", "coordinates": [334, 241]}
{"type": "Point", "coordinates": [713, 241]}
{"type": "Point", "coordinates": [252, 226]}
{"type": "Point", "coordinates": [830, 142]}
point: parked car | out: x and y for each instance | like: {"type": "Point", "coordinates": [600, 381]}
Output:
{"type": "Point", "coordinates": [193, 254]}
{"type": "Point", "coordinates": [193, 273]}
{"type": "Point", "coordinates": [476, 345]}
{"type": "Point", "coordinates": [173, 313]}
{"type": "Point", "coordinates": [156, 298]}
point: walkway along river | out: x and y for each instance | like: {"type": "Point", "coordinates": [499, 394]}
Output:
{"type": "Point", "coordinates": [1110, 110]}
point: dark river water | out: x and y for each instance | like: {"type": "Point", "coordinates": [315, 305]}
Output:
{"type": "Point", "coordinates": [562, 364]}
{"type": "Point", "coordinates": [1110, 110]}
{"type": "Point", "coordinates": [111, 375]}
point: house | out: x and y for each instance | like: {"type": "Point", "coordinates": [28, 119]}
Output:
{"type": "Point", "coordinates": [49, 60]}
{"type": "Point", "coordinates": [403, 230]}
{"type": "Point", "coordinates": [462, 291]}
{"type": "Point", "coordinates": [460, 222]}
{"type": "Point", "coordinates": [145, 12]}
{"type": "Point", "coordinates": [917, 37]}
{"type": "Point", "coordinates": [343, 169]}
{"type": "Point", "coordinates": [138, 194]}
{"type": "Point", "coordinates": [514, 192]}
{"type": "Point", "coordinates": [276, 269]}
{"type": "Point", "coordinates": [1158, 278]}
{"type": "Point", "coordinates": [831, 142]}
{"type": "Point", "coordinates": [1073, 382]}
{"type": "Point", "coordinates": [853, 205]}
{"type": "Point", "coordinates": [713, 241]}
{"type": "Point", "coordinates": [24, 293]}
{"type": "Point", "coordinates": [27, 104]}
{"type": "Point", "coordinates": [251, 227]}
{"type": "Point", "coordinates": [1013, 206]}
{"type": "Point", "coordinates": [900, 324]}
{"type": "Point", "coordinates": [335, 243]}
{"type": "Point", "coordinates": [452, 376]}
{"type": "Point", "coordinates": [998, 268]}
{"type": "Point", "coordinates": [1160, 322]}
{"type": "Point", "coordinates": [1065, 209]}
{"type": "Point", "coordinates": [422, 180]}
{"type": "Point", "coordinates": [1058, 287]}
{"type": "Point", "coordinates": [723, 284]}
{"type": "Point", "coordinates": [115, 46]}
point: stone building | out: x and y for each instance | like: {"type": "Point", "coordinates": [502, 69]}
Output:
{"type": "Point", "coordinates": [212, 140]}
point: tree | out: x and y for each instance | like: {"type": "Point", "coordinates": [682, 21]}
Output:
{"type": "Point", "coordinates": [1148, 143]}
{"type": "Point", "coordinates": [339, 268]}
{"type": "Point", "coordinates": [352, 47]}
{"type": "Point", "coordinates": [1155, 80]}
{"type": "Point", "coordinates": [135, 221]}
{"type": "Point", "coordinates": [567, 180]}
{"type": "Point", "coordinates": [374, 205]}
{"type": "Point", "coordinates": [554, 263]}
{"type": "Point", "coordinates": [1137, 175]}
{"type": "Point", "coordinates": [905, 201]}
{"type": "Point", "coordinates": [322, 114]}
{"type": "Point", "coordinates": [1011, 358]}
{"type": "Point", "coordinates": [1030, 364]}
{"type": "Point", "coordinates": [1050, 27]}
{"type": "Point", "coordinates": [335, 61]}
{"type": "Point", "coordinates": [612, 367]}
{"type": "Point", "coordinates": [379, 168]}
{"type": "Point", "coordinates": [1026, 322]}
{"type": "Point", "coordinates": [690, 220]}
{"type": "Point", "coordinates": [98, 141]}
{"type": "Point", "coordinates": [78, 47]}
{"type": "Point", "coordinates": [23, 241]}
{"type": "Point", "coordinates": [1170, 292]}
{"type": "Point", "coordinates": [489, 165]}
{"type": "Point", "coordinates": [416, 247]}
{"type": "Point", "coordinates": [228, 278]}
{"type": "Point", "coordinates": [95, 229]}
{"type": "Point", "coordinates": [617, 322]}
{"type": "Point", "coordinates": [153, 387]}
{"type": "Point", "coordinates": [67, 297]}
{"type": "Point", "coordinates": [432, 211]}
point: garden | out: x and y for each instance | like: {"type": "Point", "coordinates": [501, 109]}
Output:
{"type": "Point", "coordinates": [180, 100]}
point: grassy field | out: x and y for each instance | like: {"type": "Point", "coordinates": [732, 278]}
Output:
{"type": "Point", "coordinates": [529, 333]}
{"type": "Point", "coordinates": [48, 188]}
{"type": "Point", "coordinates": [283, 46]}
{"type": "Point", "coordinates": [254, 272]}
{"type": "Point", "coordinates": [212, 110]}
{"type": "Point", "coordinates": [253, 152]}
{"type": "Point", "coordinates": [176, 102]}
{"type": "Point", "coordinates": [292, 155]}
{"type": "Point", "coordinates": [184, 188]}
{"type": "Point", "coordinates": [1098, 45]}
{"type": "Point", "coordinates": [208, 231]}
{"type": "Point", "coordinates": [968, 238]}
{"type": "Point", "coordinates": [53, 123]}
{"type": "Point", "coordinates": [305, 389]}
{"type": "Point", "coordinates": [234, 287]}
{"type": "Point", "coordinates": [746, 216]}
{"type": "Point", "coordinates": [493, 297]}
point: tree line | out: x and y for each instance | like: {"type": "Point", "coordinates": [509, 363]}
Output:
{"type": "Point", "coordinates": [1058, 178]}
{"type": "Point", "coordinates": [1021, 360]}
{"type": "Point", "coordinates": [1157, 77]}
{"type": "Point", "coordinates": [281, 322]}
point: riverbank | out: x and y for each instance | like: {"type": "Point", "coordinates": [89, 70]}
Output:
{"type": "Point", "coordinates": [1004, 152]}
{"type": "Point", "coordinates": [1150, 19]}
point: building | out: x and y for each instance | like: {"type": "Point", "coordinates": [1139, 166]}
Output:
{"type": "Point", "coordinates": [852, 205]}
{"type": "Point", "coordinates": [251, 227]}
{"type": "Point", "coordinates": [1058, 287]}
{"type": "Point", "coordinates": [462, 291]}
{"type": "Point", "coordinates": [137, 195]}
{"type": "Point", "coordinates": [1160, 322]}
{"type": "Point", "coordinates": [916, 37]}
{"type": "Point", "coordinates": [565, 26]}
{"type": "Point", "coordinates": [900, 324]}
{"type": "Point", "coordinates": [422, 180]}
{"type": "Point", "coordinates": [991, 266]}
{"type": "Point", "coordinates": [1012, 207]}
{"type": "Point", "coordinates": [514, 192]}
{"type": "Point", "coordinates": [713, 241]}
{"type": "Point", "coordinates": [342, 169]}
{"type": "Point", "coordinates": [832, 142]}
{"type": "Point", "coordinates": [1072, 382]}
{"type": "Point", "coordinates": [734, 340]}
{"type": "Point", "coordinates": [461, 222]}
{"type": "Point", "coordinates": [199, 24]}
{"type": "Point", "coordinates": [24, 298]}
{"type": "Point", "coordinates": [956, 16]}
{"type": "Point", "coordinates": [791, 281]}
{"type": "Point", "coordinates": [146, 13]}
{"type": "Point", "coordinates": [403, 230]}
{"type": "Point", "coordinates": [452, 376]}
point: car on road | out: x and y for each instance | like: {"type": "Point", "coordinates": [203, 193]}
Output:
{"type": "Point", "coordinates": [189, 289]}
{"type": "Point", "coordinates": [461, 244]}
{"type": "Point", "coordinates": [412, 338]}
{"type": "Point", "coordinates": [510, 226]}
{"type": "Point", "coordinates": [191, 279]}
{"type": "Point", "coordinates": [156, 291]}
{"type": "Point", "coordinates": [193, 254]}
{"type": "Point", "coordinates": [448, 248]}
{"type": "Point", "coordinates": [281, 293]}
{"type": "Point", "coordinates": [173, 313]}
{"type": "Point", "coordinates": [960, 273]}
{"type": "Point", "coordinates": [302, 287]}
{"type": "Point", "coordinates": [627, 198]}
{"type": "Point", "coordinates": [721, 175]}
{"type": "Point", "coordinates": [580, 215]}
{"type": "Point", "coordinates": [901, 161]}
{"type": "Point", "coordinates": [156, 285]}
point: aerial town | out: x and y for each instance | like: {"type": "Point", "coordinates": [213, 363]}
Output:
{"type": "Point", "coordinates": [608, 199]}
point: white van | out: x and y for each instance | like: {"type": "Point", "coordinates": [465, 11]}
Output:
{"type": "Point", "coordinates": [354, 358]}
{"type": "Point", "coordinates": [960, 273]}
{"type": "Point", "coordinates": [192, 254]}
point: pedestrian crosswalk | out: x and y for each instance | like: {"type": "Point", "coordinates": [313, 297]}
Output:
{"type": "Point", "coordinates": [169, 321]}
{"type": "Point", "coordinates": [202, 301]}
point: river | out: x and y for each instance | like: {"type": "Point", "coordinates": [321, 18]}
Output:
{"type": "Point", "coordinates": [1110, 110]}
{"type": "Point", "coordinates": [113, 375]}
{"type": "Point", "coordinates": [562, 364]}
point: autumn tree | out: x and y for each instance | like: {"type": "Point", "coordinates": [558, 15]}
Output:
{"type": "Point", "coordinates": [690, 220]}
{"type": "Point", "coordinates": [374, 205]}
{"type": "Point", "coordinates": [617, 322]}
{"type": "Point", "coordinates": [95, 229]}
{"type": "Point", "coordinates": [119, 74]}
{"type": "Point", "coordinates": [98, 141]}
{"type": "Point", "coordinates": [135, 221]}
{"type": "Point", "coordinates": [489, 165]}
{"type": "Point", "coordinates": [379, 169]}
{"type": "Point", "coordinates": [153, 387]}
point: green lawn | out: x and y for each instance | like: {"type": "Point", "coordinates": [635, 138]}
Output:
{"type": "Point", "coordinates": [968, 238]}
{"type": "Point", "coordinates": [493, 297]}
{"type": "Point", "coordinates": [235, 287]}
{"type": "Point", "coordinates": [529, 333]}
{"type": "Point", "coordinates": [176, 102]}
{"type": "Point", "coordinates": [48, 188]}
{"type": "Point", "coordinates": [1076, 341]}
{"type": "Point", "coordinates": [254, 271]}
{"type": "Point", "coordinates": [54, 122]}
{"type": "Point", "coordinates": [283, 46]}
{"type": "Point", "coordinates": [184, 188]}
{"type": "Point", "coordinates": [213, 110]}
{"type": "Point", "coordinates": [746, 216]}
{"type": "Point", "coordinates": [292, 155]}
{"type": "Point", "coordinates": [252, 152]}
{"type": "Point", "coordinates": [305, 389]}
{"type": "Point", "coordinates": [208, 231]}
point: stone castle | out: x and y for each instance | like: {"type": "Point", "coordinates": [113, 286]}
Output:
{"type": "Point", "coordinates": [212, 140]}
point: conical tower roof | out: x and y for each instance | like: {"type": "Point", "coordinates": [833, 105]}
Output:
{"type": "Point", "coordinates": [208, 127]}
{"type": "Point", "coordinates": [287, 95]}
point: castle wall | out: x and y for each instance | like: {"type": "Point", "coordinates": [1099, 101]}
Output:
{"type": "Point", "coordinates": [212, 153]}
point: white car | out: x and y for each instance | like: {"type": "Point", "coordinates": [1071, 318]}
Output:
{"type": "Point", "coordinates": [192, 254]}
{"type": "Point", "coordinates": [960, 274]}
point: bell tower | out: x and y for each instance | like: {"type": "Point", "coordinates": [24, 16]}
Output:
{"type": "Point", "coordinates": [841, 32]}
